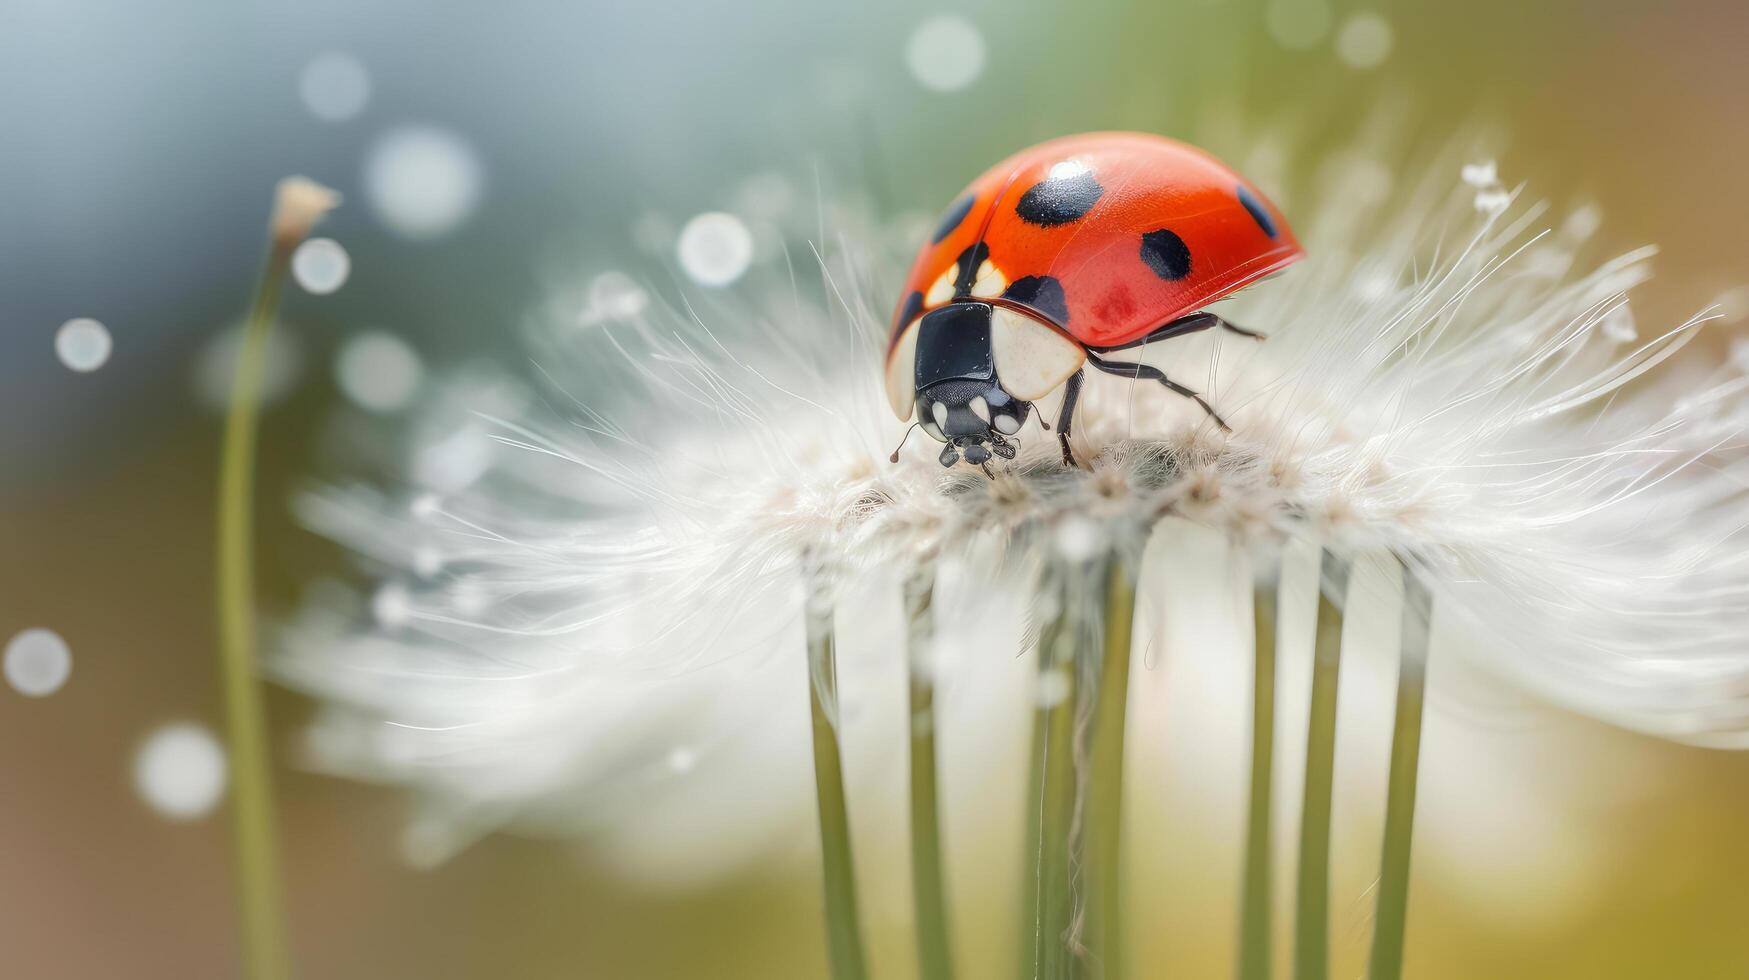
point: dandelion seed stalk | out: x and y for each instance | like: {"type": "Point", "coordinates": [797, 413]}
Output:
{"type": "Point", "coordinates": [928, 885]}
{"type": "Point", "coordinates": [1055, 782]}
{"type": "Point", "coordinates": [1393, 894]}
{"type": "Point", "coordinates": [1106, 782]}
{"type": "Point", "coordinates": [261, 914]}
{"type": "Point", "coordinates": [1312, 893]}
{"type": "Point", "coordinates": [843, 929]}
{"type": "Point", "coordinates": [1254, 908]}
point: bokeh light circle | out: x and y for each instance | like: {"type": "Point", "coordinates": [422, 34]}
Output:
{"type": "Point", "coordinates": [321, 266]}
{"type": "Point", "coordinates": [378, 371]}
{"type": "Point", "coordinates": [422, 182]}
{"type": "Point", "coordinates": [1364, 41]}
{"type": "Point", "coordinates": [84, 345]}
{"type": "Point", "coordinates": [334, 86]}
{"type": "Point", "coordinates": [945, 53]}
{"type": "Point", "coordinates": [715, 248]}
{"type": "Point", "coordinates": [1297, 24]}
{"type": "Point", "coordinates": [38, 663]}
{"type": "Point", "coordinates": [180, 771]}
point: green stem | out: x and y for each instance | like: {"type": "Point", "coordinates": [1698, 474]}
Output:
{"type": "Point", "coordinates": [1254, 907]}
{"type": "Point", "coordinates": [1312, 894]}
{"type": "Point", "coordinates": [929, 891]}
{"type": "Point", "coordinates": [1393, 899]}
{"type": "Point", "coordinates": [1105, 786]}
{"type": "Point", "coordinates": [838, 873]}
{"type": "Point", "coordinates": [1055, 783]}
{"type": "Point", "coordinates": [261, 918]}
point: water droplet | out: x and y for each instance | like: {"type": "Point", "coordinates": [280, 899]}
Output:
{"type": "Point", "coordinates": [180, 771]}
{"type": "Point", "coordinates": [613, 295]}
{"type": "Point", "coordinates": [1365, 41]}
{"type": "Point", "coordinates": [321, 266]}
{"type": "Point", "coordinates": [682, 759]}
{"type": "Point", "coordinates": [422, 182]}
{"type": "Point", "coordinates": [378, 371]}
{"type": "Point", "coordinates": [37, 663]}
{"type": "Point", "coordinates": [715, 248]}
{"type": "Point", "coordinates": [1297, 24]}
{"type": "Point", "coordinates": [334, 86]}
{"type": "Point", "coordinates": [83, 344]}
{"type": "Point", "coordinates": [945, 53]}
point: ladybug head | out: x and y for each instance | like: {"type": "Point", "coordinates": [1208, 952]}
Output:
{"type": "Point", "coordinates": [973, 417]}
{"type": "Point", "coordinates": [960, 399]}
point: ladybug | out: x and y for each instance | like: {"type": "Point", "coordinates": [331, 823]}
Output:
{"type": "Point", "coordinates": [1058, 256]}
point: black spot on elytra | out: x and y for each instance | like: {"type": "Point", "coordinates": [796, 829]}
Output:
{"type": "Point", "coordinates": [967, 264]}
{"type": "Point", "coordinates": [1259, 213]}
{"type": "Point", "coordinates": [1166, 254]}
{"type": "Point", "coordinates": [1042, 293]}
{"type": "Point", "coordinates": [951, 220]}
{"type": "Point", "coordinates": [1059, 200]}
{"type": "Point", "coordinates": [912, 306]}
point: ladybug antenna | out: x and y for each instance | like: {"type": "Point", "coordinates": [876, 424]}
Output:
{"type": "Point", "coordinates": [894, 458]}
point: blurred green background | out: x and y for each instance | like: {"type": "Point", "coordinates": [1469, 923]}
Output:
{"type": "Point", "coordinates": [138, 147]}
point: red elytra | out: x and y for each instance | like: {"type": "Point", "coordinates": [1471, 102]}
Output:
{"type": "Point", "coordinates": [1113, 295]}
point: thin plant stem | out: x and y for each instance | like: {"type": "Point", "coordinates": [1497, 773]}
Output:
{"type": "Point", "coordinates": [261, 915]}
{"type": "Point", "coordinates": [838, 872]}
{"type": "Point", "coordinates": [1105, 781]}
{"type": "Point", "coordinates": [1393, 896]}
{"type": "Point", "coordinates": [1055, 785]}
{"type": "Point", "coordinates": [1254, 903]}
{"type": "Point", "coordinates": [1312, 892]}
{"type": "Point", "coordinates": [928, 887]}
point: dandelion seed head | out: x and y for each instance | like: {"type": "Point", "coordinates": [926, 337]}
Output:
{"type": "Point", "coordinates": [298, 204]}
{"type": "Point", "coordinates": [627, 570]}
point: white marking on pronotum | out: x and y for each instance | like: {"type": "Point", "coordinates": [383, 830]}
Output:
{"type": "Point", "coordinates": [1031, 358]}
{"type": "Point", "coordinates": [980, 408]}
{"type": "Point", "coordinates": [940, 412]}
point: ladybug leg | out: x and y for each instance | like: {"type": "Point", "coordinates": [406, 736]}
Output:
{"type": "Point", "coordinates": [1191, 323]}
{"type": "Point", "coordinates": [1065, 417]}
{"type": "Point", "coordinates": [1150, 373]}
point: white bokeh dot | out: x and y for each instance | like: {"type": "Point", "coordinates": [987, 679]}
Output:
{"type": "Point", "coordinates": [422, 181]}
{"type": "Point", "coordinates": [378, 371]}
{"type": "Point", "coordinates": [945, 53]}
{"type": "Point", "coordinates": [334, 86]}
{"type": "Point", "coordinates": [1297, 24]}
{"type": "Point", "coordinates": [321, 266]}
{"type": "Point", "coordinates": [180, 771]}
{"type": "Point", "coordinates": [1364, 41]}
{"type": "Point", "coordinates": [613, 295]}
{"type": "Point", "coordinates": [715, 248]}
{"type": "Point", "coordinates": [83, 344]}
{"type": "Point", "coordinates": [38, 663]}
{"type": "Point", "coordinates": [215, 369]}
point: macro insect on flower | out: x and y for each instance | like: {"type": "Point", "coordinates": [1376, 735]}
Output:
{"type": "Point", "coordinates": [1057, 257]}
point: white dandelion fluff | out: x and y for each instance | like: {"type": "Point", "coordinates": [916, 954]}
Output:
{"type": "Point", "coordinates": [621, 586]}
